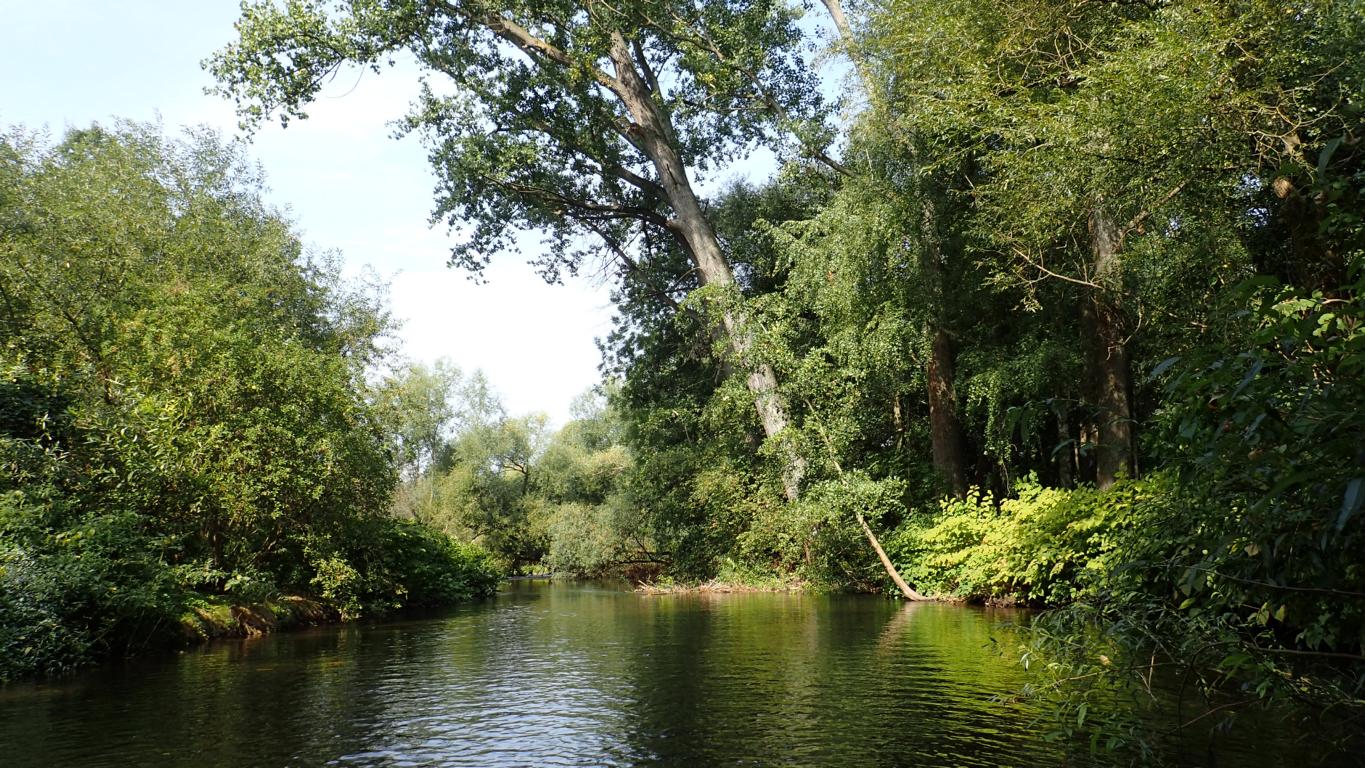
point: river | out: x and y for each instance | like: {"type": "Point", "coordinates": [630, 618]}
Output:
{"type": "Point", "coordinates": [573, 675]}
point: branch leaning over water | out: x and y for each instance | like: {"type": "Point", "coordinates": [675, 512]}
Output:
{"type": "Point", "coordinates": [907, 591]}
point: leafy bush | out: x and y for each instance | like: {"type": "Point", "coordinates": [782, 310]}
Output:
{"type": "Point", "coordinates": [386, 564]}
{"type": "Point", "coordinates": [427, 568]}
{"type": "Point", "coordinates": [589, 540]}
{"type": "Point", "coordinates": [68, 594]}
{"type": "Point", "coordinates": [1044, 546]}
{"type": "Point", "coordinates": [1267, 436]}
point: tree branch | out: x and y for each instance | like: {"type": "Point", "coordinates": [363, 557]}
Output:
{"type": "Point", "coordinates": [626, 261]}
{"type": "Point", "coordinates": [1021, 254]}
{"type": "Point", "coordinates": [1143, 215]}
{"type": "Point", "coordinates": [537, 48]}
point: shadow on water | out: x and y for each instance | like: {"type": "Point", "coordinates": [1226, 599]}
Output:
{"type": "Point", "coordinates": [564, 674]}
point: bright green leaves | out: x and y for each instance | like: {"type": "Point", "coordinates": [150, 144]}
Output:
{"type": "Point", "coordinates": [417, 406]}
{"type": "Point", "coordinates": [531, 498]}
{"type": "Point", "coordinates": [1064, 106]}
{"type": "Point", "coordinates": [183, 403]}
{"type": "Point", "coordinates": [285, 55]}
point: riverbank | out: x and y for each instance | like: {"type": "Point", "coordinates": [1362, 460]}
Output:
{"type": "Point", "coordinates": [727, 581]}
{"type": "Point", "coordinates": [211, 618]}
{"type": "Point", "coordinates": [61, 611]}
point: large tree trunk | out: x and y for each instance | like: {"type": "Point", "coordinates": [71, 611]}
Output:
{"type": "Point", "coordinates": [945, 430]}
{"type": "Point", "coordinates": [653, 133]}
{"type": "Point", "coordinates": [1109, 358]}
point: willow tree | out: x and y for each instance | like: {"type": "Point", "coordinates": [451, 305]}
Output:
{"type": "Point", "coordinates": [1106, 134]}
{"type": "Point", "coordinates": [588, 121]}
{"type": "Point", "coordinates": [899, 158]}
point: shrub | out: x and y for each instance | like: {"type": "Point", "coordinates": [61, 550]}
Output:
{"type": "Point", "coordinates": [70, 593]}
{"type": "Point", "coordinates": [385, 564]}
{"type": "Point", "coordinates": [1044, 546]}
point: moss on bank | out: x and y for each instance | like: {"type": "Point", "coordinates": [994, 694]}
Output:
{"type": "Point", "coordinates": [211, 618]}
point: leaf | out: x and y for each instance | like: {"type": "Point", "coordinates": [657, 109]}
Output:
{"type": "Point", "coordinates": [1325, 156]}
{"type": "Point", "coordinates": [1250, 376]}
{"type": "Point", "coordinates": [1162, 367]}
{"type": "Point", "coordinates": [1350, 503]}
{"type": "Point", "coordinates": [1080, 714]}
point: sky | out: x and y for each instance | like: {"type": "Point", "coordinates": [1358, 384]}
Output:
{"type": "Point", "coordinates": [345, 182]}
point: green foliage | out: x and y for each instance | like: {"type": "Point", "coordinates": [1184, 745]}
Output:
{"type": "Point", "coordinates": [487, 493]}
{"type": "Point", "coordinates": [1268, 430]}
{"type": "Point", "coordinates": [71, 593]}
{"type": "Point", "coordinates": [531, 498]}
{"type": "Point", "coordinates": [593, 526]}
{"type": "Point", "coordinates": [819, 538]}
{"type": "Point", "coordinates": [416, 405]}
{"type": "Point", "coordinates": [1042, 546]}
{"type": "Point", "coordinates": [530, 132]}
{"type": "Point", "coordinates": [183, 405]}
{"type": "Point", "coordinates": [390, 564]}
{"type": "Point", "coordinates": [595, 540]}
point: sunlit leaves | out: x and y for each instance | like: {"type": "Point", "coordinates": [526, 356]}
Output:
{"type": "Point", "coordinates": [525, 126]}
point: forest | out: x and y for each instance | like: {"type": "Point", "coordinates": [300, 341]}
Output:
{"type": "Point", "coordinates": [1054, 303]}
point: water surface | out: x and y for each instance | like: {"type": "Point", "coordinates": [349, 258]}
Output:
{"type": "Point", "coordinates": [569, 675]}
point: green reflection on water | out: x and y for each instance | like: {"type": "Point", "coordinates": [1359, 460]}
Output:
{"type": "Point", "coordinates": [564, 675]}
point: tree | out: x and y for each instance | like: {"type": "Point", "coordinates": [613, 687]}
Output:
{"type": "Point", "coordinates": [578, 119]}
{"type": "Point", "coordinates": [417, 404]}
{"type": "Point", "coordinates": [184, 410]}
{"type": "Point", "coordinates": [1070, 188]}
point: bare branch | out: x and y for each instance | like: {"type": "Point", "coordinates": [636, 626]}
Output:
{"type": "Point", "coordinates": [1025, 257]}
{"type": "Point", "coordinates": [1143, 215]}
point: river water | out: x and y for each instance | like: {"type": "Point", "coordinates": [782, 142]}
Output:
{"type": "Point", "coordinates": [573, 675]}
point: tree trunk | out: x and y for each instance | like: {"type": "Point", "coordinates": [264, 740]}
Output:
{"type": "Point", "coordinates": [906, 590]}
{"type": "Point", "coordinates": [652, 132]}
{"type": "Point", "coordinates": [1066, 456]}
{"type": "Point", "coordinates": [945, 430]}
{"type": "Point", "coordinates": [1109, 357]}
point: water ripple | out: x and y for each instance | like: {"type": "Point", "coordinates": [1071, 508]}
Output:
{"type": "Point", "coordinates": [561, 676]}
